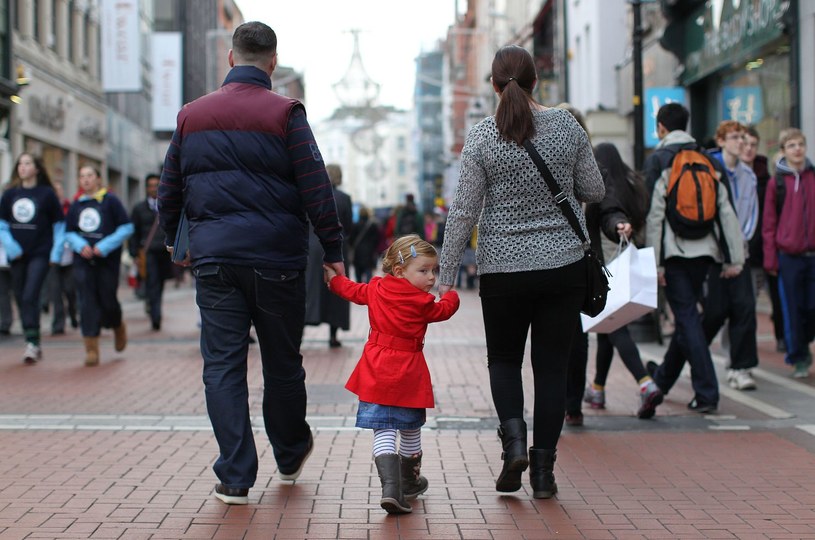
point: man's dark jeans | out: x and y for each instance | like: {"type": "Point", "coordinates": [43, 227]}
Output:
{"type": "Point", "coordinates": [232, 298]}
{"type": "Point", "coordinates": [683, 290]}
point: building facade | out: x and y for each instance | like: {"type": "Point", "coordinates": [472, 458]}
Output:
{"type": "Point", "coordinates": [739, 61]}
{"type": "Point", "coordinates": [61, 116]}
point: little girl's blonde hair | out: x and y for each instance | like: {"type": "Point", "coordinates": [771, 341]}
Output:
{"type": "Point", "coordinates": [400, 253]}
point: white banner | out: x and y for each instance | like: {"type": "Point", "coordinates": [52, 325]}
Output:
{"type": "Point", "coordinates": [121, 50]}
{"type": "Point", "coordinates": [167, 98]}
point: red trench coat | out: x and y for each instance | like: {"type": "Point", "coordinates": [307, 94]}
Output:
{"type": "Point", "coordinates": [386, 375]}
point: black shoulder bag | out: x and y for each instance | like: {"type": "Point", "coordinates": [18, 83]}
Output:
{"type": "Point", "coordinates": [596, 272]}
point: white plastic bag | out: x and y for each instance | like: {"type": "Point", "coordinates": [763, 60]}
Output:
{"type": "Point", "coordinates": [632, 290]}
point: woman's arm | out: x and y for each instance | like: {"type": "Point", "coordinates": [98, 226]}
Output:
{"type": "Point", "coordinates": [465, 209]}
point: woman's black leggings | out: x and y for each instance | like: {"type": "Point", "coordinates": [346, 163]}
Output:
{"type": "Point", "coordinates": [548, 301]}
{"type": "Point", "coordinates": [621, 340]}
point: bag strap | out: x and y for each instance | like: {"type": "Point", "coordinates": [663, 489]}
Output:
{"type": "Point", "coordinates": [152, 233]}
{"type": "Point", "coordinates": [560, 197]}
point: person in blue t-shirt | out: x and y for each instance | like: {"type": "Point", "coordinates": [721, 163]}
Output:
{"type": "Point", "coordinates": [96, 226]}
{"type": "Point", "coordinates": [31, 220]}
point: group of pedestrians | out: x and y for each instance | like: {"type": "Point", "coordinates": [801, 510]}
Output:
{"type": "Point", "coordinates": [34, 233]}
{"type": "Point", "coordinates": [531, 265]}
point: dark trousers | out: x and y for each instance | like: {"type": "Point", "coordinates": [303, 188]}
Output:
{"type": "Point", "coordinates": [5, 300]}
{"type": "Point", "coordinates": [576, 378]}
{"type": "Point", "coordinates": [232, 299]}
{"type": "Point", "coordinates": [27, 277]}
{"type": "Point", "coordinates": [732, 300]}
{"type": "Point", "coordinates": [797, 292]}
{"type": "Point", "coordinates": [548, 302]}
{"type": "Point", "coordinates": [775, 301]}
{"type": "Point", "coordinates": [684, 281]}
{"type": "Point", "coordinates": [63, 291]}
{"type": "Point", "coordinates": [619, 339]}
{"type": "Point", "coordinates": [157, 270]}
{"type": "Point", "coordinates": [96, 282]}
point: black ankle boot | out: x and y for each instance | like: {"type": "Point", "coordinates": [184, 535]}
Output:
{"type": "Point", "coordinates": [513, 439]}
{"type": "Point", "coordinates": [541, 473]}
{"type": "Point", "coordinates": [393, 500]}
{"type": "Point", "coordinates": [413, 483]}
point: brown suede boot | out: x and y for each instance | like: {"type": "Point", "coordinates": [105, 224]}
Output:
{"type": "Point", "coordinates": [120, 337]}
{"type": "Point", "coordinates": [91, 351]}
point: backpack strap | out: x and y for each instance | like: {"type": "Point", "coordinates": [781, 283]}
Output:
{"type": "Point", "coordinates": [560, 198]}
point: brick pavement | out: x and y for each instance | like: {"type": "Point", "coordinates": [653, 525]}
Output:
{"type": "Point", "coordinates": [124, 451]}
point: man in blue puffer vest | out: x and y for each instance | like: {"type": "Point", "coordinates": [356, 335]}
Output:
{"type": "Point", "coordinates": [246, 173]}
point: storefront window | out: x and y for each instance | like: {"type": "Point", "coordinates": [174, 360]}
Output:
{"type": "Point", "coordinates": [53, 158]}
{"type": "Point", "coordinates": [758, 94]}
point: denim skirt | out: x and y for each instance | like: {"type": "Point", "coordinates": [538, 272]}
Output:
{"type": "Point", "coordinates": [373, 416]}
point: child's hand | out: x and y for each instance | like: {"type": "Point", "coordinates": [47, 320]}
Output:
{"type": "Point", "coordinates": [328, 273]}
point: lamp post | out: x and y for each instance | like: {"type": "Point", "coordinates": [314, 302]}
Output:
{"type": "Point", "coordinates": [639, 127]}
{"type": "Point", "coordinates": [639, 121]}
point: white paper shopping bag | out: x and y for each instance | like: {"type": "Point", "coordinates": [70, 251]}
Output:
{"type": "Point", "coordinates": [632, 291]}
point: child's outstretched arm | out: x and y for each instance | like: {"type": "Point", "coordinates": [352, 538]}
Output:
{"type": "Point", "coordinates": [345, 288]}
{"type": "Point", "coordinates": [444, 308]}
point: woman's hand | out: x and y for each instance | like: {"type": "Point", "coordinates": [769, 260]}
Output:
{"type": "Point", "coordinates": [87, 252]}
{"type": "Point", "coordinates": [444, 289]}
{"type": "Point", "coordinates": [624, 229]}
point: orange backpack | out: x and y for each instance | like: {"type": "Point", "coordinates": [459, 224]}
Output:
{"type": "Point", "coordinates": [692, 200]}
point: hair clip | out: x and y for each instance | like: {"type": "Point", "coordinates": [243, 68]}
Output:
{"type": "Point", "coordinates": [413, 251]}
{"type": "Point", "coordinates": [401, 259]}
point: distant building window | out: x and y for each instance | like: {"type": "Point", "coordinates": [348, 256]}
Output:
{"type": "Point", "coordinates": [70, 31]}
{"type": "Point", "coordinates": [401, 166]}
{"type": "Point", "coordinates": [35, 15]}
{"type": "Point", "coordinates": [400, 143]}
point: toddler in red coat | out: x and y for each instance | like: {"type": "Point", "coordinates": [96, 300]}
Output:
{"type": "Point", "coordinates": [391, 378]}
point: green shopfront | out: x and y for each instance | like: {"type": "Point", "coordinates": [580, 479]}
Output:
{"type": "Point", "coordinates": [740, 63]}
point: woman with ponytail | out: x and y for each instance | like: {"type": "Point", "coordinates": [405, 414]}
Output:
{"type": "Point", "coordinates": [531, 266]}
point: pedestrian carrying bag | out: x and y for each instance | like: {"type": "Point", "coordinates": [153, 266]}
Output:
{"type": "Point", "coordinates": [596, 273]}
{"type": "Point", "coordinates": [632, 290]}
{"type": "Point", "coordinates": [692, 194]}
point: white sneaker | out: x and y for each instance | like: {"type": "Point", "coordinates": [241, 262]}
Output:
{"type": "Point", "coordinates": [741, 379]}
{"type": "Point", "coordinates": [32, 353]}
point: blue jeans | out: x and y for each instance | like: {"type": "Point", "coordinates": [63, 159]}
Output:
{"type": "Point", "coordinates": [797, 291]}
{"type": "Point", "coordinates": [27, 277]}
{"type": "Point", "coordinates": [684, 279]}
{"type": "Point", "coordinates": [232, 298]}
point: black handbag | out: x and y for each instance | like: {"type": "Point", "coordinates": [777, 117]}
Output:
{"type": "Point", "coordinates": [596, 273]}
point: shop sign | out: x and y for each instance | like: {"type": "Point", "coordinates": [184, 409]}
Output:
{"type": "Point", "coordinates": [654, 99]}
{"type": "Point", "coordinates": [47, 112]}
{"type": "Point", "coordinates": [742, 104]}
{"type": "Point", "coordinates": [725, 31]}
{"type": "Point", "coordinates": [91, 130]}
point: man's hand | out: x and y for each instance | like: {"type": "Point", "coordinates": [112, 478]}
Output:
{"type": "Point", "coordinates": [337, 267]}
{"type": "Point", "coordinates": [661, 278]}
{"type": "Point", "coordinates": [444, 289]}
{"type": "Point", "coordinates": [731, 270]}
{"type": "Point", "coordinates": [185, 263]}
{"type": "Point", "coordinates": [97, 252]}
{"type": "Point", "coordinates": [328, 273]}
{"type": "Point", "coordinates": [87, 252]}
